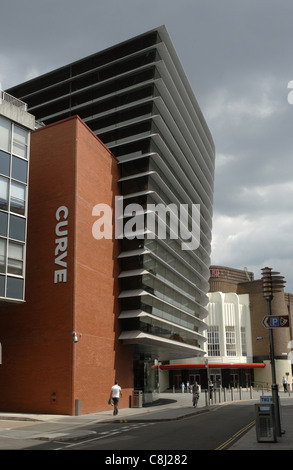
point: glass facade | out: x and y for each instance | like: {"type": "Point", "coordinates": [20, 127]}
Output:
{"type": "Point", "coordinates": [136, 98]}
{"type": "Point", "coordinates": [14, 151]}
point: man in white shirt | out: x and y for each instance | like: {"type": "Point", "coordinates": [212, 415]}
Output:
{"type": "Point", "coordinates": [115, 395]}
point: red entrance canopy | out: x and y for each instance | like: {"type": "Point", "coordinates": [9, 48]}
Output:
{"type": "Point", "coordinates": [214, 365]}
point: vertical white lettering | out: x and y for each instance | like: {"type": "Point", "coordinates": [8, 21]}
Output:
{"type": "Point", "coordinates": [60, 275]}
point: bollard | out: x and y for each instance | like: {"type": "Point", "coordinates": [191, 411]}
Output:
{"type": "Point", "coordinates": [77, 407]}
{"type": "Point", "coordinates": [276, 401]}
{"type": "Point", "coordinates": [232, 393]}
{"type": "Point", "coordinates": [250, 392]}
{"type": "Point", "coordinates": [240, 393]}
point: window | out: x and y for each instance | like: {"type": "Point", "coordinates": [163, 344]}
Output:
{"type": "Point", "coordinates": [5, 134]}
{"type": "Point", "coordinates": [213, 341]}
{"type": "Point", "coordinates": [4, 163]}
{"type": "Point", "coordinates": [20, 141]}
{"type": "Point", "coordinates": [17, 228]}
{"type": "Point", "coordinates": [19, 169]}
{"type": "Point", "coordinates": [2, 255]}
{"type": "Point", "coordinates": [3, 224]}
{"type": "Point", "coordinates": [2, 286]}
{"type": "Point", "coordinates": [3, 193]}
{"type": "Point", "coordinates": [14, 288]}
{"type": "Point", "coordinates": [15, 258]}
{"type": "Point", "coordinates": [17, 198]}
{"type": "Point", "coordinates": [243, 341]}
{"type": "Point", "coordinates": [230, 341]}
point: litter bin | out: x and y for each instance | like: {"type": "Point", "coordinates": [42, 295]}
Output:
{"type": "Point", "coordinates": [137, 399]}
{"type": "Point", "coordinates": [265, 423]}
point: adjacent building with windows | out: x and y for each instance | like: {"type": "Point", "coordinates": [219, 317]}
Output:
{"type": "Point", "coordinates": [136, 98]}
{"type": "Point", "coordinates": [15, 127]}
{"type": "Point", "coordinates": [237, 347]}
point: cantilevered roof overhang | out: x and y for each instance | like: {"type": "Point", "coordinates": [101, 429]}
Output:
{"type": "Point", "coordinates": [161, 348]}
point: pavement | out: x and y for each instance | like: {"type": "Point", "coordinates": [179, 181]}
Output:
{"type": "Point", "coordinates": [170, 406]}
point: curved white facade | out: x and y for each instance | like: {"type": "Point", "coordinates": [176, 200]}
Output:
{"type": "Point", "coordinates": [229, 328]}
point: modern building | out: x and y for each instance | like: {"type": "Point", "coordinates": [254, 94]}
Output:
{"type": "Point", "coordinates": [136, 98]}
{"type": "Point", "coordinates": [15, 127]}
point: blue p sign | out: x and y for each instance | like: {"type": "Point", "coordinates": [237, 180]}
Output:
{"type": "Point", "coordinates": [275, 321]}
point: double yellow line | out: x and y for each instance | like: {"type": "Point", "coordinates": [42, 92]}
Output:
{"type": "Point", "coordinates": [236, 436]}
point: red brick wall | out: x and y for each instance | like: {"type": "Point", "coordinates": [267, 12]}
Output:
{"type": "Point", "coordinates": [96, 284]}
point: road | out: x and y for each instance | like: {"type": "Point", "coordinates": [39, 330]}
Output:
{"type": "Point", "coordinates": [213, 430]}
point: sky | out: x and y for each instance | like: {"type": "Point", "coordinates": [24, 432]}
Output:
{"type": "Point", "coordinates": [238, 58]}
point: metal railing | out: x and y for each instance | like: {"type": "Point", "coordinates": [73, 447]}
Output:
{"type": "Point", "coordinates": [229, 394]}
{"type": "Point", "coordinates": [220, 395]}
{"type": "Point", "coordinates": [12, 100]}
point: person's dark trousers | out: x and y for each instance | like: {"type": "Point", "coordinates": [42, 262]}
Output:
{"type": "Point", "coordinates": [115, 400]}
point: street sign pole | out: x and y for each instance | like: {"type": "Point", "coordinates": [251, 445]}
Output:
{"type": "Point", "coordinates": [272, 284]}
{"type": "Point", "coordinates": [275, 388]}
{"type": "Point", "coordinates": [272, 349]}
{"type": "Point", "coordinates": [208, 379]}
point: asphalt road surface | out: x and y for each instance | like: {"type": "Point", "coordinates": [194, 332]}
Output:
{"type": "Point", "coordinates": [214, 430]}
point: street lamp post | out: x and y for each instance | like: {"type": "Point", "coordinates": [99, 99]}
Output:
{"type": "Point", "coordinates": [275, 387]}
{"type": "Point", "coordinates": [208, 379]}
{"type": "Point", "coordinates": [271, 284]}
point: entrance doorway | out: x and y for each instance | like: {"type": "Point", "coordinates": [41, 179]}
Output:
{"type": "Point", "coordinates": [234, 378]}
{"type": "Point", "coordinates": [216, 377]}
{"type": "Point", "coordinates": [177, 380]}
{"type": "Point", "coordinates": [194, 378]}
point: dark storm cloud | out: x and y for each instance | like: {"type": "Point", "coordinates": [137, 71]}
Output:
{"type": "Point", "coordinates": [238, 57]}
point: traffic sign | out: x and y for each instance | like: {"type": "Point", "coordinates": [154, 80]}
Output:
{"type": "Point", "coordinates": [266, 399]}
{"type": "Point", "coordinates": [276, 321]}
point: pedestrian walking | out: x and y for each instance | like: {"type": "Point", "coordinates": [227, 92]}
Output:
{"type": "Point", "coordinates": [285, 384]}
{"type": "Point", "coordinates": [195, 395]}
{"type": "Point", "coordinates": [116, 393]}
